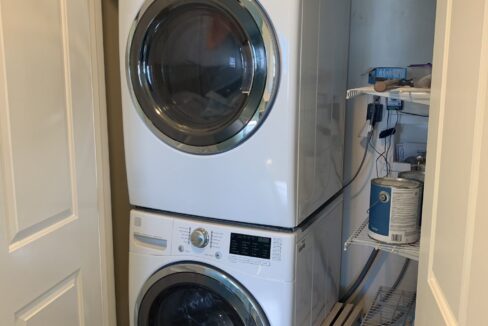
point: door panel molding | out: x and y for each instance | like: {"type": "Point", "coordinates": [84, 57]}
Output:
{"type": "Point", "coordinates": [428, 289]}
{"type": "Point", "coordinates": [69, 106]}
{"type": "Point", "coordinates": [438, 100]}
{"type": "Point", "coordinates": [23, 228]}
{"type": "Point", "coordinates": [478, 286]}
{"type": "Point", "coordinates": [442, 303]}
{"type": "Point", "coordinates": [6, 168]}
{"type": "Point", "coordinates": [42, 303]}
{"type": "Point", "coordinates": [52, 224]}
{"type": "Point", "coordinates": [480, 125]}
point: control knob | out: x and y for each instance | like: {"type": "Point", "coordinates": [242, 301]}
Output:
{"type": "Point", "coordinates": [199, 238]}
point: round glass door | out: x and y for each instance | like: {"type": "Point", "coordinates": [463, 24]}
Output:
{"type": "Point", "coordinates": [203, 72]}
{"type": "Point", "coordinates": [194, 294]}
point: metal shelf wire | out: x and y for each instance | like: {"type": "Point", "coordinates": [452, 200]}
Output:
{"type": "Point", "coordinates": [391, 307]}
{"type": "Point", "coordinates": [360, 237]}
{"type": "Point", "coordinates": [409, 94]}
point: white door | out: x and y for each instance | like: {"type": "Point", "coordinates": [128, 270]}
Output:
{"type": "Point", "coordinates": [55, 254]}
{"type": "Point", "coordinates": [453, 271]}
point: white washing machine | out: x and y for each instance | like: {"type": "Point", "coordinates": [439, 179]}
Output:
{"type": "Point", "coordinates": [234, 109]}
{"type": "Point", "coordinates": [193, 272]}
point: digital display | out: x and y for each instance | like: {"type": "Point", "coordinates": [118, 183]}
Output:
{"type": "Point", "coordinates": [249, 245]}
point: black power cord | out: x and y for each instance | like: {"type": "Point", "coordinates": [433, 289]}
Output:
{"type": "Point", "coordinates": [361, 276]}
{"type": "Point", "coordinates": [393, 288]}
{"type": "Point", "coordinates": [370, 135]}
{"type": "Point", "coordinates": [375, 252]}
{"type": "Point", "coordinates": [364, 272]}
{"type": "Point", "coordinates": [402, 274]}
{"type": "Point", "coordinates": [373, 116]}
{"type": "Point", "coordinates": [340, 191]}
{"type": "Point", "coordinates": [414, 114]}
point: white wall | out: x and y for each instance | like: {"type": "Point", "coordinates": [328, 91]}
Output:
{"type": "Point", "coordinates": [383, 33]}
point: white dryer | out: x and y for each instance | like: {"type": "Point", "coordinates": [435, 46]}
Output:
{"type": "Point", "coordinates": [234, 109]}
{"type": "Point", "coordinates": [191, 272]}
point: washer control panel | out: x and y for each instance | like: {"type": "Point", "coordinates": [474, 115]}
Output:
{"type": "Point", "coordinates": [261, 252]}
{"type": "Point", "coordinates": [250, 245]}
{"type": "Point", "coordinates": [199, 238]}
{"type": "Point", "coordinates": [221, 242]}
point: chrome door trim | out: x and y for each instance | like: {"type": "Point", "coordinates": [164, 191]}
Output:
{"type": "Point", "coordinates": [254, 115]}
{"type": "Point", "coordinates": [254, 309]}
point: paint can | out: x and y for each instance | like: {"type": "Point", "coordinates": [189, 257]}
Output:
{"type": "Point", "coordinates": [420, 177]}
{"type": "Point", "coordinates": [394, 210]}
{"type": "Point", "coordinates": [413, 175]}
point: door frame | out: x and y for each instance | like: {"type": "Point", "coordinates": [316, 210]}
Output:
{"type": "Point", "coordinates": [102, 157]}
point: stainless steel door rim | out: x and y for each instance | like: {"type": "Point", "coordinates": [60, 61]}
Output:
{"type": "Point", "coordinates": [193, 103]}
{"type": "Point", "coordinates": [170, 277]}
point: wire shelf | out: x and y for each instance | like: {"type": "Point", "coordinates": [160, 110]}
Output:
{"type": "Point", "coordinates": [391, 307]}
{"type": "Point", "coordinates": [360, 237]}
{"type": "Point", "coordinates": [409, 94]}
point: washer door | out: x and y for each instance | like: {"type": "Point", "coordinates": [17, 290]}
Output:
{"type": "Point", "coordinates": [203, 73]}
{"type": "Point", "coordinates": [191, 294]}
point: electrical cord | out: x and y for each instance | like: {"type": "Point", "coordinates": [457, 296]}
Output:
{"type": "Point", "coordinates": [388, 165]}
{"type": "Point", "coordinates": [414, 114]}
{"type": "Point", "coordinates": [340, 191]}
{"type": "Point", "coordinates": [379, 155]}
{"type": "Point", "coordinates": [364, 272]}
{"type": "Point", "coordinates": [383, 155]}
{"type": "Point", "coordinates": [361, 276]}
{"type": "Point", "coordinates": [374, 253]}
{"type": "Point", "coordinates": [387, 145]}
{"type": "Point", "coordinates": [402, 274]}
{"type": "Point", "coordinates": [372, 257]}
{"type": "Point", "coordinates": [393, 288]}
{"type": "Point", "coordinates": [399, 278]}
{"type": "Point", "coordinates": [370, 135]}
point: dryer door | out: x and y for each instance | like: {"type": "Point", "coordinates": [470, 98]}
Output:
{"type": "Point", "coordinates": [203, 73]}
{"type": "Point", "coordinates": [195, 294]}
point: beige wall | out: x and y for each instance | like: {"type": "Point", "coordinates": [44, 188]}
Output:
{"type": "Point", "coordinates": [120, 197]}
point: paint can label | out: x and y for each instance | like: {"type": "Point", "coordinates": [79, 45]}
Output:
{"type": "Point", "coordinates": [394, 213]}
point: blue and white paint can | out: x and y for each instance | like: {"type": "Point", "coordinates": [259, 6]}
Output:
{"type": "Point", "coordinates": [420, 177]}
{"type": "Point", "coordinates": [394, 210]}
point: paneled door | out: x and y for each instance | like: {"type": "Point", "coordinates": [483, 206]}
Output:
{"type": "Point", "coordinates": [55, 251]}
{"type": "Point", "coordinates": [453, 270]}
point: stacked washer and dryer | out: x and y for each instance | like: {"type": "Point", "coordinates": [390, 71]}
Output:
{"type": "Point", "coordinates": [233, 117]}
